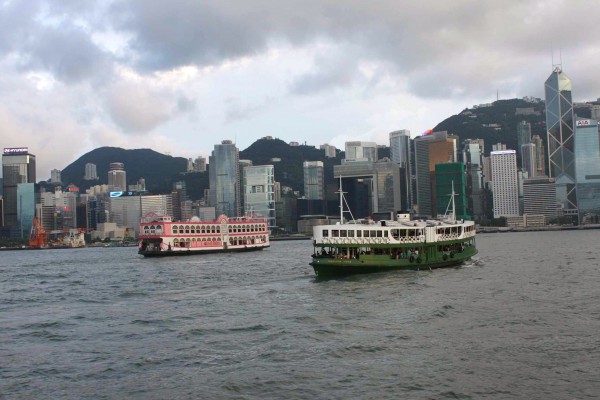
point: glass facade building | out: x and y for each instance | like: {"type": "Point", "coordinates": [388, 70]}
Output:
{"type": "Point", "coordinates": [26, 195]}
{"type": "Point", "coordinates": [447, 177]}
{"type": "Point", "coordinates": [313, 180]}
{"type": "Point", "coordinates": [259, 192]}
{"type": "Point", "coordinates": [224, 179]}
{"type": "Point", "coordinates": [400, 152]}
{"type": "Point", "coordinates": [472, 157]}
{"type": "Point", "coordinates": [587, 149]}
{"type": "Point", "coordinates": [18, 166]}
{"type": "Point", "coordinates": [561, 138]}
{"type": "Point", "coordinates": [523, 136]}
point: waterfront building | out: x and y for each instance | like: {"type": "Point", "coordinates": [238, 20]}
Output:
{"type": "Point", "coordinates": [539, 197]}
{"type": "Point", "coordinates": [259, 192]}
{"type": "Point", "coordinates": [58, 209]}
{"type": "Point", "coordinates": [117, 177]}
{"type": "Point", "coordinates": [431, 149]}
{"type": "Point", "coordinates": [561, 141]}
{"type": "Point", "coordinates": [313, 180]}
{"type": "Point", "coordinates": [27, 198]}
{"type": "Point", "coordinates": [472, 156]}
{"type": "Point", "coordinates": [540, 155]}
{"type": "Point", "coordinates": [127, 208]}
{"type": "Point", "coordinates": [361, 151]}
{"type": "Point", "coordinates": [587, 149]}
{"type": "Point", "coordinates": [18, 166]}
{"type": "Point", "coordinates": [523, 136]}
{"type": "Point", "coordinates": [224, 179]}
{"type": "Point", "coordinates": [200, 164]}
{"type": "Point", "coordinates": [90, 172]}
{"type": "Point", "coordinates": [401, 155]}
{"type": "Point", "coordinates": [55, 176]}
{"type": "Point", "coordinates": [451, 176]}
{"type": "Point", "coordinates": [505, 185]}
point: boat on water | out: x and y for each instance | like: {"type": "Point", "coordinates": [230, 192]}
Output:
{"type": "Point", "coordinates": [401, 243]}
{"type": "Point", "coordinates": [160, 236]}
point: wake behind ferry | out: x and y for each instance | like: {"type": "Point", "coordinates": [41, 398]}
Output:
{"type": "Point", "coordinates": [401, 243]}
{"type": "Point", "coordinates": [160, 236]}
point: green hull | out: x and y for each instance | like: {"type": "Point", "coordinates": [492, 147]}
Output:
{"type": "Point", "coordinates": [429, 258]}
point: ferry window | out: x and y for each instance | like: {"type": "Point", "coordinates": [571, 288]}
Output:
{"type": "Point", "coordinates": [187, 229]}
{"type": "Point", "coordinates": [379, 234]}
{"type": "Point", "coordinates": [358, 233]}
{"type": "Point", "coordinates": [350, 233]}
{"type": "Point", "coordinates": [385, 233]}
{"type": "Point", "coordinates": [325, 232]}
{"type": "Point", "coordinates": [218, 229]}
{"type": "Point", "coordinates": [373, 233]}
{"type": "Point", "coordinates": [366, 233]}
{"type": "Point", "coordinates": [343, 233]}
{"type": "Point", "coordinates": [335, 233]}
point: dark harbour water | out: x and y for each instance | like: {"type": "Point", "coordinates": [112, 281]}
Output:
{"type": "Point", "coordinates": [521, 322]}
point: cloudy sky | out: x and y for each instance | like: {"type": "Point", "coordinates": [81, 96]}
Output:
{"type": "Point", "coordinates": [179, 76]}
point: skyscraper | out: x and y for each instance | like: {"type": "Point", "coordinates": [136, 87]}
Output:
{"type": "Point", "coordinates": [472, 157]}
{"type": "Point", "coordinates": [224, 179]}
{"type": "Point", "coordinates": [259, 192]}
{"type": "Point", "coordinates": [90, 172]}
{"type": "Point", "coordinates": [117, 177]}
{"type": "Point", "coordinates": [528, 159]}
{"type": "Point", "coordinates": [561, 138]}
{"type": "Point", "coordinates": [523, 136]}
{"type": "Point", "coordinates": [540, 158]}
{"type": "Point", "coordinates": [431, 149]}
{"type": "Point", "coordinates": [361, 151]}
{"type": "Point", "coordinates": [313, 180]}
{"type": "Point", "coordinates": [18, 166]}
{"type": "Point", "coordinates": [55, 176]}
{"type": "Point", "coordinates": [400, 152]}
{"type": "Point", "coordinates": [504, 183]}
{"type": "Point", "coordinates": [587, 148]}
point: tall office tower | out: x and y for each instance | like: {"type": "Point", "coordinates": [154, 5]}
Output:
{"type": "Point", "coordinates": [498, 147]}
{"type": "Point", "coordinates": [190, 165]}
{"type": "Point", "coordinates": [472, 157]}
{"type": "Point", "coordinates": [55, 176]}
{"type": "Point", "coordinates": [448, 177]}
{"type": "Point", "coordinates": [561, 141]}
{"type": "Point", "coordinates": [540, 155]}
{"type": "Point", "coordinates": [313, 180]}
{"type": "Point", "coordinates": [523, 135]}
{"type": "Point", "coordinates": [400, 151]}
{"type": "Point", "coordinates": [259, 192]}
{"type": "Point", "coordinates": [18, 166]}
{"type": "Point", "coordinates": [90, 172]}
{"type": "Point", "coordinates": [330, 151]}
{"type": "Point", "coordinates": [361, 151]}
{"type": "Point", "coordinates": [117, 178]}
{"type": "Point", "coordinates": [539, 197]}
{"type": "Point", "coordinates": [528, 159]}
{"type": "Point", "coordinates": [224, 179]}
{"type": "Point", "coordinates": [179, 197]}
{"type": "Point", "coordinates": [595, 112]}
{"type": "Point", "coordinates": [431, 149]}
{"type": "Point", "coordinates": [200, 164]}
{"type": "Point", "coordinates": [587, 148]}
{"type": "Point", "coordinates": [505, 185]}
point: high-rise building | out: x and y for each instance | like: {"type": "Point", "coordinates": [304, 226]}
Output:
{"type": "Point", "coordinates": [200, 164]}
{"type": "Point", "coordinates": [449, 177]}
{"type": "Point", "coordinates": [561, 140]}
{"type": "Point", "coordinates": [117, 177]}
{"type": "Point", "coordinates": [401, 154]}
{"type": "Point", "coordinates": [313, 180]}
{"type": "Point", "coordinates": [539, 197]}
{"type": "Point", "coordinates": [528, 159]}
{"type": "Point", "coordinates": [431, 149]}
{"type": "Point", "coordinates": [27, 199]}
{"type": "Point", "coordinates": [523, 136]}
{"type": "Point", "coordinates": [540, 155]}
{"type": "Point", "coordinates": [90, 172]}
{"type": "Point", "coordinates": [330, 151]}
{"type": "Point", "coordinates": [361, 151]}
{"type": "Point", "coordinates": [587, 149]}
{"type": "Point", "coordinates": [18, 166]}
{"type": "Point", "coordinates": [224, 179]}
{"type": "Point", "coordinates": [259, 192]}
{"type": "Point", "coordinates": [473, 159]}
{"type": "Point", "coordinates": [55, 176]}
{"type": "Point", "coordinates": [504, 183]}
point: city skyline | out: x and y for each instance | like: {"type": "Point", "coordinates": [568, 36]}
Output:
{"type": "Point", "coordinates": [78, 76]}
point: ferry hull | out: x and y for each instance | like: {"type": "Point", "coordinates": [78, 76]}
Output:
{"type": "Point", "coordinates": [190, 252]}
{"type": "Point", "coordinates": [330, 267]}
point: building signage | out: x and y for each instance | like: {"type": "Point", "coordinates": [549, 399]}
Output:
{"type": "Point", "coordinates": [585, 122]}
{"type": "Point", "coordinates": [123, 194]}
{"type": "Point", "coordinates": [16, 150]}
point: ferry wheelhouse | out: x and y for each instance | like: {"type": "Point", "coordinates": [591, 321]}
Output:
{"type": "Point", "coordinates": [401, 243]}
{"type": "Point", "coordinates": [161, 236]}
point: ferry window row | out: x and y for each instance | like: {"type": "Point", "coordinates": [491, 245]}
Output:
{"type": "Point", "coordinates": [372, 233]}
{"type": "Point", "coordinates": [449, 230]}
{"type": "Point", "coordinates": [246, 228]}
{"type": "Point", "coordinates": [209, 229]}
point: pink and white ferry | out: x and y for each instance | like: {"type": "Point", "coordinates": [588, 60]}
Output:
{"type": "Point", "coordinates": [160, 236]}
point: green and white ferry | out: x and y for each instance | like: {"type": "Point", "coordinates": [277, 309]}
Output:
{"type": "Point", "coordinates": [361, 246]}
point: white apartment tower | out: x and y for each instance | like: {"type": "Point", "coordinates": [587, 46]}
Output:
{"type": "Point", "coordinates": [505, 186]}
{"type": "Point", "coordinates": [90, 172]}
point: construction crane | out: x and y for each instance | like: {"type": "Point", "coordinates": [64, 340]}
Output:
{"type": "Point", "coordinates": [38, 237]}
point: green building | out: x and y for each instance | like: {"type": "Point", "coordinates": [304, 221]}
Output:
{"type": "Point", "coordinates": [445, 175]}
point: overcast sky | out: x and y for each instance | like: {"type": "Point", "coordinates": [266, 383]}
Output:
{"type": "Point", "coordinates": [179, 76]}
